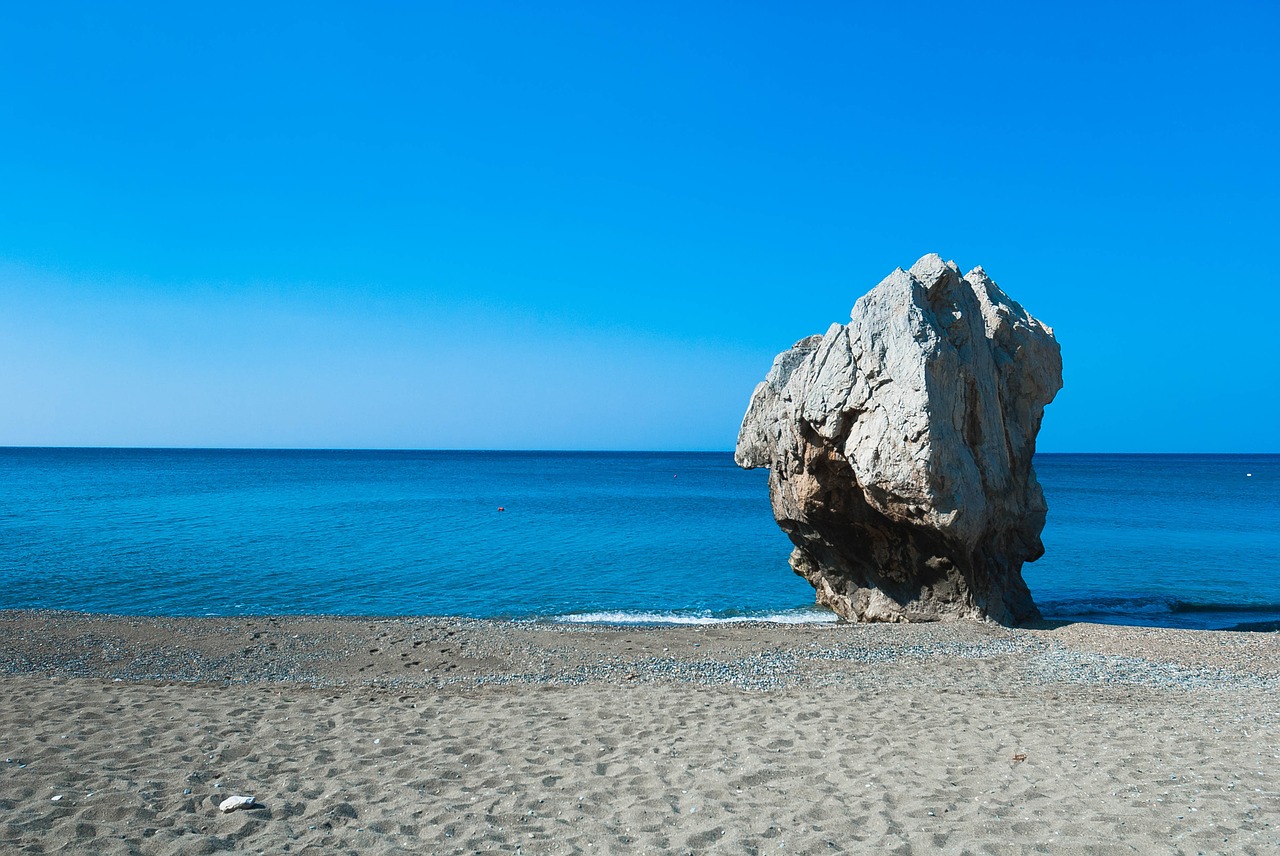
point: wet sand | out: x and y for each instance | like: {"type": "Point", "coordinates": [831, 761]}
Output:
{"type": "Point", "coordinates": [444, 736]}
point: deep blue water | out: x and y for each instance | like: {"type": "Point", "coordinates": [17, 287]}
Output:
{"type": "Point", "coordinates": [1190, 541]}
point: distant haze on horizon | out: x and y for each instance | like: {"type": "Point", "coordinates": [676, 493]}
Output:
{"type": "Point", "coordinates": [577, 226]}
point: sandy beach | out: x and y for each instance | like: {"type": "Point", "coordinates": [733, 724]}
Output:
{"type": "Point", "coordinates": [123, 735]}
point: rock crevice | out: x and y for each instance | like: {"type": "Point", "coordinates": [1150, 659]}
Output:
{"type": "Point", "coordinates": [900, 449]}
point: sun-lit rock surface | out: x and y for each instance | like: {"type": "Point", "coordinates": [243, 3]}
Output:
{"type": "Point", "coordinates": [900, 447]}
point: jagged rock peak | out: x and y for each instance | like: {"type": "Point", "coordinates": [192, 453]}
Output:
{"type": "Point", "coordinates": [900, 449]}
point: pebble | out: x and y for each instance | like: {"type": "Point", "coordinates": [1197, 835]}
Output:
{"type": "Point", "coordinates": [236, 802]}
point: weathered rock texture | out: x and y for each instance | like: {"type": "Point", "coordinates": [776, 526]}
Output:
{"type": "Point", "coordinates": [900, 448]}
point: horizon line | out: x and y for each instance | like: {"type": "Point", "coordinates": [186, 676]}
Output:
{"type": "Point", "coordinates": [147, 448]}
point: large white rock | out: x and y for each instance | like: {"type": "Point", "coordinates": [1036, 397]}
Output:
{"type": "Point", "coordinates": [900, 447]}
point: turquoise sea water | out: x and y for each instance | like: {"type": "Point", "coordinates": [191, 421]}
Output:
{"type": "Point", "coordinates": [1190, 541]}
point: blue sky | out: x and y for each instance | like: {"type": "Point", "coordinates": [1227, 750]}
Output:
{"type": "Point", "coordinates": [592, 225]}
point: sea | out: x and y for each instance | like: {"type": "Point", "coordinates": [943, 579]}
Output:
{"type": "Point", "coordinates": [595, 537]}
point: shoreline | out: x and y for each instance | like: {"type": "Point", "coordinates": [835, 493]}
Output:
{"type": "Point", "coordinates": [340, 650]}
{"type": "Point", "coordinates": [391, 735]}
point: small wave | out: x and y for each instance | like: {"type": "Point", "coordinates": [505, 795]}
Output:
{"type": "Point", "coordinates": [1165, 612]}
{"type": "Point", "coordinates": [1150, 606]}
{"type": "Point", "coordinates": [807, 615]}
{"type": "Point", "coordinates": [1245, 608]}
{"type": "Point", "coordinates": [1136, 606]}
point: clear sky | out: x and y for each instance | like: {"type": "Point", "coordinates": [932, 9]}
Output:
{"type": "Point", "coordinates": [592, 225]}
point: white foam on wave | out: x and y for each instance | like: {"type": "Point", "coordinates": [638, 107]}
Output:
{"type": "Point", "coordinates": [795, 616]}
{"type": "Point", "coordinates": [1136, 606]}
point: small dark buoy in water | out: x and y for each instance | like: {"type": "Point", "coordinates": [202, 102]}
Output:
{"type": "Point", "coordinates": [500, 508]}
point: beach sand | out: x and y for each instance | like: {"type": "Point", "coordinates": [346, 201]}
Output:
{"type": "Point", "coordinates": [122, 735]}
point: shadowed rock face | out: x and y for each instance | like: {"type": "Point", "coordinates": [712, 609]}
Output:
{"type": "Point", "coordinates": [899, 449]}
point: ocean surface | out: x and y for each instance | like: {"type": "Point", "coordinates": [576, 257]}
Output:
{"type": "Point", "coordinates": [1166, 540]}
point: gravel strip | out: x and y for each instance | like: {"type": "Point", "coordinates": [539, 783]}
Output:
{"type": "Point", "coordinates": [421, 653]}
